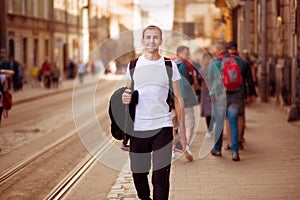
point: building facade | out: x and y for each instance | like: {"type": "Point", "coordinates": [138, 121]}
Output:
{"type": "Point", "coordinates": [36, 30]}
{"type": "Point", "coordinates": [200, 20]}
{"type": "Point", "coordinates": [270, 29]}
{"type": "Point", "coordinates": [63, 30]}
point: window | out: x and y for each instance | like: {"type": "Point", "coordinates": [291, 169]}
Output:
{"type": "Point", "coordinates": [41, 9]}
{"type": "Point", "coordinates": [35, 52]}
{"type": "Point", "coordinates": [29, 8]}
{"type": "Point", "coordinates": [25, 50]}
{"type": "Point", "coordinates": [46, 48]}
{"type": "Point", "coordinates": [17, 6]}
{"type": "Point", "coordinates": [11, 48]}
{"type": "Point", "coordinates": [199, 27]}
{"type": "Point", "coordinates": [189, 29]}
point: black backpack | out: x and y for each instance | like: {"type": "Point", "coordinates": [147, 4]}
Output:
{"type": "Point", "coordinates": [121, 115]}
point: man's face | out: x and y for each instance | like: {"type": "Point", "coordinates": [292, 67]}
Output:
{"type": "Point", "coordinates": [151, 40]}
{"type": "Point", "coordinates": [232, 50]}
{"type": "Point", "coordinates": [185, 54]}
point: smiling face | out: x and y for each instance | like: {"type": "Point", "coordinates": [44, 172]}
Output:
{"type": "Point", "coordinates": [152, 39]}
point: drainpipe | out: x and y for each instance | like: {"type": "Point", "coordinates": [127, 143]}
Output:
{"type": "Point", "coordinates": [247, 25]}
{"type": "Point", "coordinates": [3, 33]}
{"type": "Point", "coordinates": [256, 27]}
{"type": "Point", "coordinates": [264, 97]}
{"type": "Point", "coordinates": [51, 8]}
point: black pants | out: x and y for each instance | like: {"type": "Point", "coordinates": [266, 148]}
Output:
{"type": "Point", "coordinates": [209, 119]}
{"type": "Point", "coordinates": [143, 145]}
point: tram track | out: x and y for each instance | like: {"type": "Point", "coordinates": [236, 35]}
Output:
{"type": "Point", "coordinates": [71, 179]}
{"type": "Point", "coordinates": [24, 163]}
{"type": "Point", "coordinates": [68, 174]}
{"type": "Point", "coordinates": [25, 179]}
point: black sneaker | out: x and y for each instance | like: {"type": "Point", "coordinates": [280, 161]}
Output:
{"type": "Point", "coordinates": [235, 157]}
{"type": "Point", "coordinates": [216, 153]}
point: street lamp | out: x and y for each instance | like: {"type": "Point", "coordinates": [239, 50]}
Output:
{"type": "Point", "coordinates": [85, 29]}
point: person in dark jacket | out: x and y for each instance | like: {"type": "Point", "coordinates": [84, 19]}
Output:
{"type": "Point", "coordinates": [205, 102]}
{"type": "Point", "coordinates": [224, 107]}
{"type": "Point", "coordinates": [188, 74]}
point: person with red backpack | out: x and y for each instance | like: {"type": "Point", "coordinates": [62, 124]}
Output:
{"type": "Point", "coordinates": [225, 74]}
{"type": "Point", "coordinates": [248, 92]}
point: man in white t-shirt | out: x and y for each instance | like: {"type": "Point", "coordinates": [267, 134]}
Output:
{"type": "Point", "coordinates": [152, 132]}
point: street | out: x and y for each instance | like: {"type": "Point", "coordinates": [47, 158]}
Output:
{"type": "Point", "coordinates": [34, 125]}
{"type": "Point", "coordinates": [269, 167]}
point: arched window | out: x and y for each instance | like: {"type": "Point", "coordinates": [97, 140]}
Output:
{"type": "Point", "coordinates": [11, 48]}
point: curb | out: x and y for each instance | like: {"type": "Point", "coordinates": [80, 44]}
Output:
{"type": "Point", "coordinates": [50, 93]}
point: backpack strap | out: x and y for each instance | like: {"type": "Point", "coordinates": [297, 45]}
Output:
{"type": "Point", "coordinates": [132, 65]}
{"type": "Point", "coordinates": [169, 69]}
{"type": "Point", "coordinates": [222, 57]}
{"type": "Point", "coordinates": [168, 65]}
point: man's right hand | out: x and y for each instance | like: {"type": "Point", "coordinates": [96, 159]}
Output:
{"type": "Point", "coordinates": [126, 96]}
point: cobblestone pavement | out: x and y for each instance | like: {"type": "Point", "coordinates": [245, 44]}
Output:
{"type": "Point", "coordinates": [269, 166]}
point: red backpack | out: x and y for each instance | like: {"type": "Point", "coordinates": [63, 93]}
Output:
{"type": "Point", "coordinates": [231, 73]}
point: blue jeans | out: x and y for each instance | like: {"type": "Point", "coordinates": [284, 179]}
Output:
{"type": "Point", "coordinates": [232, 109]}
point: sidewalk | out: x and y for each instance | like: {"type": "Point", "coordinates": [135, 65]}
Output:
{"type": "Point", "coordinates": [29, 93]}
{"type": "Point", "coordinates": [269, 166]}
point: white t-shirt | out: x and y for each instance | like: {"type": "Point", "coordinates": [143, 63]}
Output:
{"type": "Point", "coordinates": [152, 82]}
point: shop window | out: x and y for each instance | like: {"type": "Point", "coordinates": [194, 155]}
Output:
{"type": "Point", "coordinates": [11, 48]}
{"type": "Point", "coordinates": [189, 29]}
{"type": "Point", "coordinates": [46, 48]}
{"type": "Point", "coordinates": [35, 52]}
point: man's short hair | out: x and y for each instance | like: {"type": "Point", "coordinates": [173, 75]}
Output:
{"type": "Point", "coordinates": [152, 27]}
{"type": "Point", "coordinates": [232, 45]}
{"type": "Point", "coordinates": [181, 48]}
{"type": "Point", "coordinates": [221, 44]}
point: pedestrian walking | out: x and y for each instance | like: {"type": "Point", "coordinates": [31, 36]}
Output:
{"type": "Point", "coordinates": [17, 78]}
{"type": "Point", "coordinates": [71, 68]}
{"type": "Point", "coordinates": [248, 91]}
{"type": "Point", "coordinates": [152, 132]}
{"type": "Point", "coordinates": [55, 75]}
{"type": "Point", "coordinates": [4, 75]}
{"type": "Point", "coordinates": [34, 72]}
{"type": "Point", "coordinates": [46, 73]}
{"type": "Point", "coordinates": [205, 103]}
{"type": "Point", "coordinates": [187, 82]}
{"type": "Point", "coordinates": [5, 65]}
{"type": "Point", "coordinates": [81, 71]}
{"type": "Point", "coordinates": [233, 96]}
{"type": "Point", "coordinates": [253, 64]}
